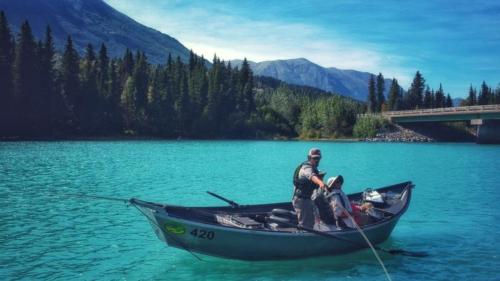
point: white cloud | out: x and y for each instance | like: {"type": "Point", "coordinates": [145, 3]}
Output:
{"type": "Point", "coordinates": [232, 37]}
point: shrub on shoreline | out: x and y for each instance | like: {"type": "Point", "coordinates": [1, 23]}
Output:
{"type": "Point", "coordinates": [367, 126]}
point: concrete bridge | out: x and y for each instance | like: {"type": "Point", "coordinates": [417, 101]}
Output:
{"type": "Point", "coordinates": [485, 117]}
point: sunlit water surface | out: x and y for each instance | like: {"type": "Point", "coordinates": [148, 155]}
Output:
{"type": "Point", "coordinates": [46, 235]}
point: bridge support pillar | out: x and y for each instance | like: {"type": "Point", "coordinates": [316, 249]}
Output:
{"type": "Point", "coordinates": [488, 131]}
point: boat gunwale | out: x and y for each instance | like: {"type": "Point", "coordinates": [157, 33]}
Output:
{"type": "Point", "coordinates": [161, 208]}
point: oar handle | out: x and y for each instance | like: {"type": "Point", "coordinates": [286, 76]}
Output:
{"type": "Point", "coordinates": [230, 202]}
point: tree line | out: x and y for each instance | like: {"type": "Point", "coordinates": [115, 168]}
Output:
{"type": "Point", "coordinates": [486, 95]}
{"type": "Point", "coordinates": [418, 96]}
{"type": "Point", "coordinates": [48, 94]}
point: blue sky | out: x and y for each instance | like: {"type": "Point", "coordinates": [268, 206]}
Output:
{"type": "Point", "coordinates": [456, 43]}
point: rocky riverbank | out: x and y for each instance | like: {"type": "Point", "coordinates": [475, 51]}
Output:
{"type": "Point", "coordinates": [397, 133]}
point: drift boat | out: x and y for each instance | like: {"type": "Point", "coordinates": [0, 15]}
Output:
{"type": "Point", "coordinates": [270, 231]}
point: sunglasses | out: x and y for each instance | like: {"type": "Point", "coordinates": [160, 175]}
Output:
{"type": "Point", "coordinates": [316, 158]}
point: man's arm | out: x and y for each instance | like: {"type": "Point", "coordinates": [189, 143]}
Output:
{"type": "Point", "coordinates": [307, 172]}
{"type": "Point", "coordinates": [318, 181]}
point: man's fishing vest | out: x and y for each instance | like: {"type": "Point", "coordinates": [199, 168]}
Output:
{"type": "Point", "coordinates": [304, 187]}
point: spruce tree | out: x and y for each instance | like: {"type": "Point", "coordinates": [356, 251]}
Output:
{"type": "Point", "coordinates": [128, 106]}
{"type": "Point", "coordinates": [472, 99]}
{"type": "Point", "coordinates": [140, 76]}
{"type": "Point", "coordinates": [113, 109]}
{"type": "Point", "coordinates": [497, 95]}
{"type": "Point", "coordinates": [103, 72]}
{"type": "Point", "coordinates": [70, 83]}
{"type": "Point", "coordinates": [380, 92]}
{"type": "Point", "coordinates": [90, 113]}
{"type": "Point", "coordinates": [246, 81]}
{"type": "Point", "coordinates": [372, 98]}
{"type": "Point", "coordinates": [26, 79]}
{"type": "Point", "coordinates": [427, 98]}
{"type": "Point", "coordinates": [484, 94]}
{"type": "Point", "coordinates": [6, 86]}
{"type": "Point", "coordinates": [394, 95]}
{"type": "Point", "coordinates": [440, 99]}
{"type": "Point", "coordinates": [449, 102]}
{"type": "Point", "coordinates": [48, 100]}
{"type": "Point", "coordinates": [416, 91]}
{"type": "Point", "coordinates": [433, 98]}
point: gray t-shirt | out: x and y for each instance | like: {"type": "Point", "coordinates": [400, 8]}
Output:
{"type": "Point", "coordinates": [306, 172]}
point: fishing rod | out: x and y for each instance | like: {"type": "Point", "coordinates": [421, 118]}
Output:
{"type": "Point", "coordinates": [369, 244]}
{"type": "Point", "coordinates": [131, 202]}
{"type": "Point", "coordinates": [126, 201]}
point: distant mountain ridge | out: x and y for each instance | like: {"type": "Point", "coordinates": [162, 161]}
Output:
{"type": "Point", "coordinates": [91, 21]}
{"type": "Point", "coordinates": [301, 71]}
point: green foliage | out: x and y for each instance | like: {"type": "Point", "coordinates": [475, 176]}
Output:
{"type": "Point", "coordinates": [367, 126]}
{"type": "Point", "coordinates": [380, 92]}
{"type": "Point", "coordinates": [307, 112]}
{"type": "Point", "coordinates": [395, 96]}
{"type": "Point", "coordinates": [372, 98]}
{"type": "Point", "coordinates": [6, 91]}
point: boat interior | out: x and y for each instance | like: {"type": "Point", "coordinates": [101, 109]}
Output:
{"type": "Point", "coordinates": [387, 202]}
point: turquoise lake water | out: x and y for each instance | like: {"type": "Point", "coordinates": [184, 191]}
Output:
{"type": "Point", "coordinates": [45, 235]}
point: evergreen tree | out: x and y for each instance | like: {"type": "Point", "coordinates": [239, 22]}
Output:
{"type": "Point", "coordinates": [440, 99]}
{"type": "Point", "coordinates": [484, 94]}
{"type": "Point", "coordinates": [394, 95]}
{"type": "Point", "coordinates": [416, 91]}
{"type": "Point", "coordinates": [497, 95]}
{"type": "Point", "coordinates": [26, 79]}
{"type": "Point", "coordinates": [140, 76]}
{"type": "Point", "coordinates": [182, 106]}
{"type": "Point", "coordinates": [153, 109]}
{"type": "Point", "coordinates": [113, 109]}
{"type": "Point", "coordinates": [472, 99]}
{"type": "Point", "coordinates": [70, 83]}
{"type": "Point", "coordinates": [372, 98]}
{"type": "Point", "coordinates": [6, 86]}
{"type": "Point", "coordinates": [128, 106]}
{"type": "Point", "coordinates": [433, 99]}
{"type": "Point", "coordinates": [211, 113]}
{"type": "Point", "coordinates": [90, 113]}
{"type": "Point", "coordinates": [380, 92]}
{"type": "Point", "coordinates": [449, 102]}
{"type": "Point", "coordinates": [246, 81]}
{"type": "Point", "coordinates": [427, 98]}
{"type": "Point", "coordinates": [48, 100]}
{"type": "Point", "coordinates": [127, 66]}
{"type": "Point", "coordinates": [103, 72]}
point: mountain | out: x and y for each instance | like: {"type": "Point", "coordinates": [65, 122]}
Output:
{"type": "Point", "coordinates": [91, 21]}
{"type": "Point", "coordinates": [300, 71]}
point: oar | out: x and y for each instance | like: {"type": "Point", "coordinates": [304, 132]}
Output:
{"type": "Point", "coordinates": [230, 202]}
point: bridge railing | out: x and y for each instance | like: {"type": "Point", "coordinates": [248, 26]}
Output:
{"type": "Point", "coordinates": [474, 108]}
{"type": "Point", "coordinates": [459, 109]}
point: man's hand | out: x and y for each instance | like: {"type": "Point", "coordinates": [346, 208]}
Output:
{"type": "Point", "coordinates": [318, 182]}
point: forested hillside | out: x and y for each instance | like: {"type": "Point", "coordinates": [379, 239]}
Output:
{"type": "Point", "coordinates": [47, 94]}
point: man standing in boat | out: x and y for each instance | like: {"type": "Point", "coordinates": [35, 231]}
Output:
{"type": "Point", "coordinates": [306, 179]}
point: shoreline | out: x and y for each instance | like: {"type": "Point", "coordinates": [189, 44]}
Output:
{"type": "Point", "coordinates": [380, 139]}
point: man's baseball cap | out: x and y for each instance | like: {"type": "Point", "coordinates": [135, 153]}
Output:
{"type": "Point", "coordinates": [314, 153]}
